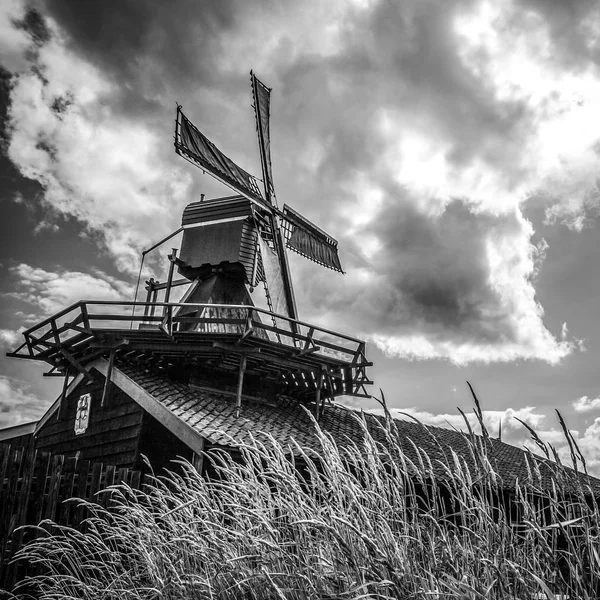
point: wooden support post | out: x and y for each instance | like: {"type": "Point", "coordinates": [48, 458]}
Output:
{"type": "Point", "coordinates": [150, 289]}
{"type": "Point", "coordinates": [79, 367]}
{"type": "Point", "coordinates": [318, 395]}
{"type": "Point", "coordinates": [62, 409]}
{"type": "Point", "coordinates": [198, 458]}
{"type": "Point", "coordinates": [171, 258]}
{"type": "Point", "coordinates": [154, 301]}
{"type": "Point", "coordinates": [107, 382]}
{"type": "Point", "coordinates": [248, 327]}
{"type": "Point", "coordinates": [167, 323]}
{"type": "Point", "coordinates": [238, 403]}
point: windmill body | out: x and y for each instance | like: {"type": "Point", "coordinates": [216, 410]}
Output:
{"type": "Point", "coordinates": [249, 227]}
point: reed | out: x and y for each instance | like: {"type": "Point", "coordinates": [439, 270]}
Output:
{"type": "Point", "coordinates": [358, 521]}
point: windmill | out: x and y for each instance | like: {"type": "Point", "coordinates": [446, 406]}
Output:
{"type": "Point", "coordinates": [215, 336]}
{"type": "Point", "coordinates": [239, 241]}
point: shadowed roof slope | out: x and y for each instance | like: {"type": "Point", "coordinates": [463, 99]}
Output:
{"type": "Point", "coordinates": [212, 414]}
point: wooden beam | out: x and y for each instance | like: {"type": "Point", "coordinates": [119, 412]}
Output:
{"type": "Point", "coordinates": [107, 380]}
{"type": "Point", "coordinates": [179, 428]}
{"type": "Point", "coordinates": [53, 372]}
{"type": "Point", "coordinates": [79, 367]}
{"type": "Point", "coordinates": [318, 394]}
{"type": "Point", "coordinates": [198, 459]}
{"type": "Point", "coordinates": [56, 404]}
{"type": "Point", "coordinates": [236, 349]}
{"type": "Point", "coordinates": [306, 351]}
{"type": "Point", "coordinates": [62, 411]}
{"type": "Point", "coordinates": [248, 327]}
{"type": "Point", "coordinates": [238, 400]}
{"type": "Point", "coordinates": [157, 285]}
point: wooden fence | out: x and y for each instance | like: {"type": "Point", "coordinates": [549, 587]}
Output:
{"type": "Point", "coordinates": [34, 486]}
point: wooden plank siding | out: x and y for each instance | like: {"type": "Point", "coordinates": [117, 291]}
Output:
{"type": "Point", "coordinates": [112, 433]}
{"type": "Point", "coordinates": [119, 433]}
{"type": "Point", "coordinates": [35, 485]}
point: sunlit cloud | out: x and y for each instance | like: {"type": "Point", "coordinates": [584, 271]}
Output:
{"type": "Point", "coordinates": [586, 404]}
{"type": "Point", "coordinates": [18, 404]}
{"type": "Point", "coordinates": [49, 292]}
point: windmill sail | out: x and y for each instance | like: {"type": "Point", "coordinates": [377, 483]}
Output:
{"type": "Point", "coordinates": [262, 110]}
{"type": "Point", "coordinates": [196, 147]}
{"type": "Point", "coordinates": [308, 240]}
{"type": "Point", "coordinates": [262, 107]}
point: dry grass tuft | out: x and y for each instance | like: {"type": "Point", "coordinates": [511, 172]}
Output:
{"type": "Point", "coordinates": [357, 524]}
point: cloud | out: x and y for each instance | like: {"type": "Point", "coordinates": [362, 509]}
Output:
{"type": "Point", "coordinates": [589, 444]}
{"type": "Point", "coordinates": [586, 404]}
{"type": "Point", "coordinates": [17, 403]}
{"type": "Point", "coordinates": [513, 431]}
{"type": "Point", "coordinates": [415, 132]}
{"type": "Point", "coordinates": [14, 42]}
{"type": "Point", "coordinates": [94, 163]}
{"type": "Point", "coordinates": [49, 292]}
{"type": "Point", "coordinates": [9, 338]}
{"type": "Point", "coordinates": [457, 285]}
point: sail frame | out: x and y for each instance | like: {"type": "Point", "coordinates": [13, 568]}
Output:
{"type": "Point", "coordinates": [305, 238]}
{"type": "Point", "coordinates": [194, 146]}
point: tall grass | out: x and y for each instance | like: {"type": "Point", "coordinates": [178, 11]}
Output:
{"type": "Point", "coordinates": [358, 521]}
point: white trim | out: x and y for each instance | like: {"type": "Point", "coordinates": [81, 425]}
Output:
{"type": "Point", "coordinates": [7, 433]}
{"type": "Point", "coordinates": [178, 427]}
{"type": "Point", "coordinates": [56, 404]}
{"type": "Point", "coordinates": [215, 222]}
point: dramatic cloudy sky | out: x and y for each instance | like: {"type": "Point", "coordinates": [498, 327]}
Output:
{"type": "Point", "coordinates": [451, 146]}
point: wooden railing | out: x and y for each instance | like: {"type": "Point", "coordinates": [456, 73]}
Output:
{"type": "Point", "coordinates": [71, 326]}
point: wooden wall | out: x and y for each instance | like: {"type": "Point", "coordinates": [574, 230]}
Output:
{"type": "Point", "coordinates": [117, 434]}
{"type": "Point", "coordinates": [112, 434]}
{"type": "Point", "coordinates": [159, 445]}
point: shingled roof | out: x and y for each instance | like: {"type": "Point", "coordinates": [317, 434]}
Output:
{"type": "Point", "coordinates": [212, 414]}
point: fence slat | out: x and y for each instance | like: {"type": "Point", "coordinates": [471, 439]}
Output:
{"type": "Point", "coordinates": [19, 518]}
{"type": "Point", "coordinates": [42, 472]}
{"type": "Point", "coordinates": [8, 499]}
{"type": "Point", "coordinates": [34, 486]}
{"type": "Point", "coordinates": [109, 479]}
{"type": "Point", "coordinates": [4, 456]}
{"type": "Point", "coordinates": [81, 491]}
{"type": "Point", "coordinates": [95, 483]}
{"type": "Point", "coordinates": [136, 480]}
{"type": "Point", "coordinates": [56, 464]}
{"type": "Point", "coordinates": [66, 491]}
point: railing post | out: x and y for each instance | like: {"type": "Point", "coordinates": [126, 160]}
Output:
{"type": "Point", "coordinates": [171, 258]}
{"type": "Point", "coordinates": [86, 316]}
{"type": "Point", "coordinates": [168, 310]}
{"type": "Point", "coordinates": [150, 290]}
{"type": "Point", "coordinates": [154, 301]}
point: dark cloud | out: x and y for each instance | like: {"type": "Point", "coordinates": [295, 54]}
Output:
{"type": "Point", "coordinates": [430, 275]}
{"type": "Point", "coordinates": [154, 51]}
{"type": "Point", "coordinates": [35, 25]}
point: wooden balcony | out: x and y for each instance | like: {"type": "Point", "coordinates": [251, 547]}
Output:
{"type": "Point", "coordinates": [301, 357]}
